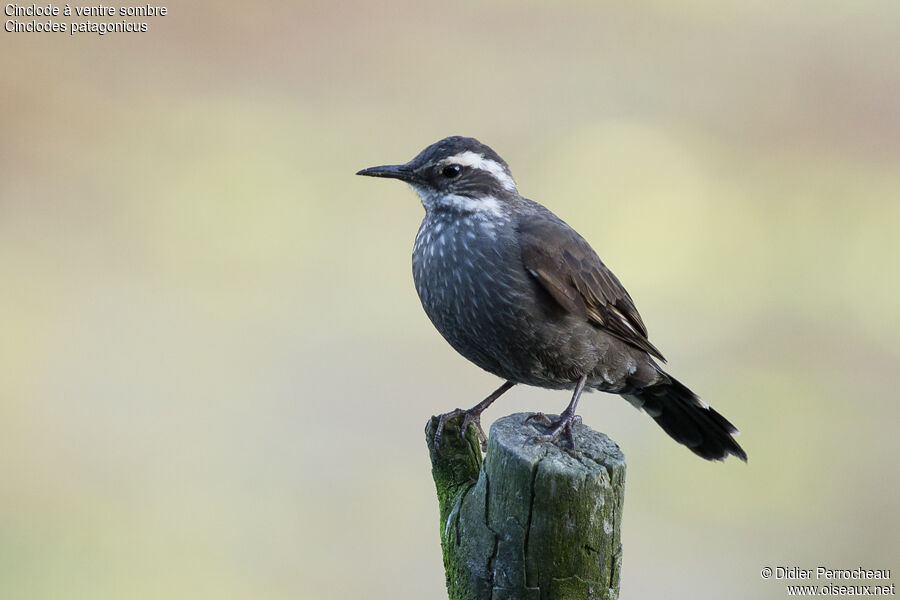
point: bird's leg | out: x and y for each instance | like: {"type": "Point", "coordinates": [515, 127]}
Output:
{"type": "Point", "coordinates": [566, 420]}
{"type": "Point", "coordinates": [473, 415]}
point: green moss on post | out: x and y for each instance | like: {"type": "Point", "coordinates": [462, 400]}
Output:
{"type": "Point", "coordinates": [535, 521]}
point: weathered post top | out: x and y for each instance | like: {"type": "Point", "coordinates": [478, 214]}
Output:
{"type": "Point", "coordinates": [535, 520]}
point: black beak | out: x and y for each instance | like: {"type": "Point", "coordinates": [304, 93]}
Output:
{"type": "Point", "coordinates": [401, 172]}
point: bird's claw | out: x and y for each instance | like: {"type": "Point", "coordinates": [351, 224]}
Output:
{"type": "Point", "coordinates": [468, 416]}
{"type": "Point", "coordinates": [563, 425]}
{"type": "Point", "coordinates": [539, 416]}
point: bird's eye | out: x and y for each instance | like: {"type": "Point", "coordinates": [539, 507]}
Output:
{"type": "Point", "coordinates": [451, 171]}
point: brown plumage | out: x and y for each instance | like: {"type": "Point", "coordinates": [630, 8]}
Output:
{"type": "Point", "coordinates": [572, 273]}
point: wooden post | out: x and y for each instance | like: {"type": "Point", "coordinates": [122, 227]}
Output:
{"type": "Point", "coordinates": [534, 521]}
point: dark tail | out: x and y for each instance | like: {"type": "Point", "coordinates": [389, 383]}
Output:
{"type": "Point", "coordinates": [689, 420]}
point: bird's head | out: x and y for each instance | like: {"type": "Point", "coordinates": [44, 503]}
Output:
{"type": "Point", "coordinates": [456, 173]}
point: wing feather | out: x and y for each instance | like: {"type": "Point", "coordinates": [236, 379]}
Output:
{"type": "Point", "coordinates": [568, 268]}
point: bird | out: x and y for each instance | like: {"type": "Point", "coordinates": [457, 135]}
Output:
{"type": "Point", "coordinates": [519, 293]}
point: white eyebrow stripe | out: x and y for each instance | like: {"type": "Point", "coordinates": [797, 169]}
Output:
{"type": "Point", "coordinates": [478, 161]}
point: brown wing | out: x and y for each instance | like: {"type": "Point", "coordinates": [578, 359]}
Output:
{"type": "Point", "coordinates": [572, 273]}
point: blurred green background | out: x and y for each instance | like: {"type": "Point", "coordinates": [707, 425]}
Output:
{"type": "Point", "coordinates": [216, 372]}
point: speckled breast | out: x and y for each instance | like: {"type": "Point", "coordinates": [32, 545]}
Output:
{"type": "Point", "coordinates": [467, 270]}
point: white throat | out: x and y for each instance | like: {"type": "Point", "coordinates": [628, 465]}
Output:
{"type": "Point", "coordinates": [485, 206]}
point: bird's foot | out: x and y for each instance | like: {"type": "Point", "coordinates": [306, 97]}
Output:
{"type": "Point", "coordinates": [468, 416]}
{"type": "Point", "coordinates": [539, 416]}
{"type": "Point", "coordinates": [561, 426]}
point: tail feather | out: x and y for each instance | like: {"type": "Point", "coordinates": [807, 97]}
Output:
{"type": "Point", "coordinates": [689, 420]}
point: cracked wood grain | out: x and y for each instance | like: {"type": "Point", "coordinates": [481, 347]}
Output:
{"type": "Point", "coordinates": [532, 521]}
